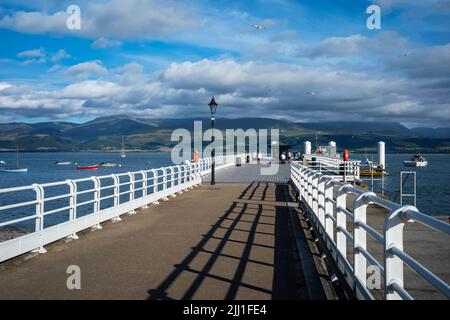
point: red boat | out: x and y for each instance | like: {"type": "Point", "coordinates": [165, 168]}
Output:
{"type": "Point", "coordinates": [95, 167]}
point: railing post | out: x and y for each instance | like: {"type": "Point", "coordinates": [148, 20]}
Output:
{"type": "Point", "coordinates": [116, 198]}
{"type": "Point", "coordinates": [341, 221]}
{"type": "Point", "coordinates": [39, 226]}
{"type": "Point", "coordinates": [321, 201]}
{"type": "Point", "coordinates": [131, 191]}
{"type": "Point", "coordinates": [73, 207]}
{"type": "Point", "coordinates": [315, 200]}
{"type": "Point", "coordinates": [393, 265]}
{"type": "Point", "coordinates": [144, 188]}
{"type": "Point", "coordinates": [97, 191]}
{"type": "Point", "coordinates": [360, 237]}
{"type": "Point", "coordinates": [310, 188]}
{"type": "Point", "coordinates": [164, 171]}
{"type": "Point", "coordinates": [304, 184]}
{"type": "Point", "coordinates": [329, 224]}
{"type": "Point", "coordinates": [172, 182]}
{"type": "Point", "coordinates": [155, 184]}
{"type": "Point", "coordinates": [180, 170]}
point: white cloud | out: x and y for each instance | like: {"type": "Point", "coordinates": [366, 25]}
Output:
{"type": "Point", "coordinates": [86, 69]}
{"type": "Point", "coordinates": [102, 43]}
{"type": "Point", "coordinates": [383, 42]}
{"type": "Point", "coordinates": [34, 53]}
{"type": "Point", "coordinates": [60, 55]}
{"type": "Point", "coordinates": [89, 89]}
{"type": "Point", "coordinates": [241, 89]}
{"type": "Point", "coordinates": [114, 18]}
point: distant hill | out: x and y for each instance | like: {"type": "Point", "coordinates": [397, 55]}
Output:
{"type": "Point", "coordinates": [439, 133]}
{"type": "Point", "coordinates": [358, 127]}
{"type": "Point", "coordinates": [105, 134]}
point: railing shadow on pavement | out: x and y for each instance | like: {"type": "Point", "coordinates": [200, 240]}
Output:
{"type": "Point", "coordinates": [274, 244]}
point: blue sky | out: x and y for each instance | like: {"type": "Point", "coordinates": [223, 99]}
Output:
{"type": "Point", "coordinates": [166, 58]}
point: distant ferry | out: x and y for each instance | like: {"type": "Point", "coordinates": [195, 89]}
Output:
{"type": "Point", "coordinates": [416, 161]}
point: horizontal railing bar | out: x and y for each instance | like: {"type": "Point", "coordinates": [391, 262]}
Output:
{"type": "Point", "coordinates": [402, 292]}
{"type": "Point", "coordinates": [371, 231]}
{"type": "Point", "coordinates": [17, 189]}
{"type": "Point", "coordinates": [18, 205]}
{"type": "Point", "coordinates": [46, 213]}
{"type": "Point", "coordinates": [371, 258]}
{"type": "Point", "coordinates": [345, 232]}
{"type": "Point", "coordinates": [428, 221]}
{"type": "Point", "coordinates": [107, 197]}
{"type": "Point", "coordinates": [62, 196]}
{"type": "Point", "coordinates": [9, 222]}
{"type": "Point", "coordinates": [345, 211]}
{"type": "Point", "coordinates": [421, 270]}
{"type": "Point", "coordinates": [85, 202]}
{"type": "Point", "coordinates": [85, 191]}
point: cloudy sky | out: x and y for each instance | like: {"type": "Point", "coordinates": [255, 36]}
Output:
{"type": "Point", "coordinates": [164, 58]}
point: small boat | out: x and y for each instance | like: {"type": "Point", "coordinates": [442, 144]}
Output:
{"type": "Point", "coordinates": [372, 171]}
{"type": "Point", "coordinates": [122, 153]}
{"type": "Point", "coordinates": [110, 165]}
{"type": "Point", "coordinates": [63, 163]}
{"type": "Point", "coordinates": [2, 162]}
{"type": "Point", "coordinates": [416, 161]}
{"type": "Point", "coordinates": [17, 168]}
{"type": "Point", "coordinates": [13, 170]}
{"type": "Point", "coordinates": [94, 167]}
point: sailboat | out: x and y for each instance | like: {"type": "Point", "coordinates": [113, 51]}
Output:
{"type": "Point", "coordinates": [17, 168]}
{"type": "Point", "coordinates": [122, 153]}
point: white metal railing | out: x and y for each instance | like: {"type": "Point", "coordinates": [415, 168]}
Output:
{"type": "Point", "coordinates": [108, 197]}
{"type": "Point", "coordinates": [338, 168]}
{"type": "Point", "coordinates": [329, 215]}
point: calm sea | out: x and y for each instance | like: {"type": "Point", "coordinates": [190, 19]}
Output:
{"type": "Point", "coordinates": [42, 167]}
{"type": "Point", "coordinates": [433, 182]}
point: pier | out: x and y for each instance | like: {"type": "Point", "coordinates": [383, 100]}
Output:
{"type": "Point", "coordinates": [165, 233]}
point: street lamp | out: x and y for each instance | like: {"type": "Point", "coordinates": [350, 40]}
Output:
{"type": "Point", "coordinates": [213, 108]}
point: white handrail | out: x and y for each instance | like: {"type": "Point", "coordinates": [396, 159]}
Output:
{"type": "Point", "coordinates": [316, 195]}
{"type": "Point", "coordinates": [125, 197]}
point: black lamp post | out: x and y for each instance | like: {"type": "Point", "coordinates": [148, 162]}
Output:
{"type": "Point", "coordinates": [213, 108]}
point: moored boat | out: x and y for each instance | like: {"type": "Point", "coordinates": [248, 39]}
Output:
{"type": "Point", "coordinates": [416, 161]}
{"type": "Point", "coordinates": [17, 168]}
{"type": "Point", "coordinates": [122, 152]}
{"type": "Point", "coordinates": [110, 165]}
{"type": "Point", "coordinates": [94, 167]}
{"type": "Point", "coordinates": [63, 163]}
{"type": "Point", "coordinates": [13, 170]}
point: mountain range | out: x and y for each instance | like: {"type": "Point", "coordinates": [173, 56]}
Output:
{"type": "Point", "coordinates": [105, 134]}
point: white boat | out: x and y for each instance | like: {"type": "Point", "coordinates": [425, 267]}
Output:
{"type": "Point", "coordinates": [2, 162]}
{"type": "Point", "coordinates": [63, 163]}
{"type": "Point", "coordinates": [122, 153]}
{"type": "Point", "coordinates": [110, 165]}
{"type": "Point", "coordinates": [17, 168]}
{"type": "Point", "coordinates": [416, 161]}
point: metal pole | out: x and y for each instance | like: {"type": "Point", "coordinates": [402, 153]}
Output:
{"type": "Point", "coordinates": [213, 153]}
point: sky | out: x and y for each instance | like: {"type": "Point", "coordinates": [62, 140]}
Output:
{"type": "Point", "coordinates": [166, 58]}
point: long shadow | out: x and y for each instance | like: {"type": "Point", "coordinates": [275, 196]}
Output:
{"type": "Point", "coordinates": [283, 280]}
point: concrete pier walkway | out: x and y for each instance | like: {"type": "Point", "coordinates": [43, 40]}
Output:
{"type": "Point", "coordinates": [230, 241]}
